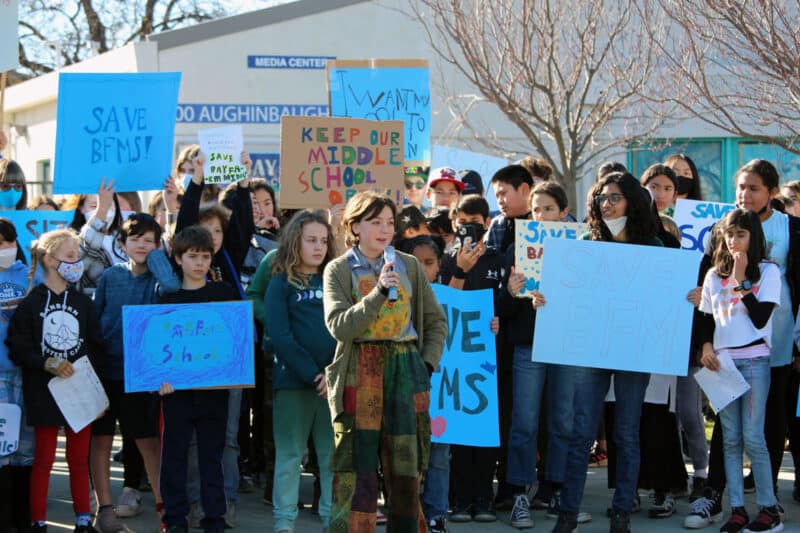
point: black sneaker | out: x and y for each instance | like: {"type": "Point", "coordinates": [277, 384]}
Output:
{"type": "Point", "coordinates": [635, 508]}
{"type": "Point", "coordinates": [566, 523]}
{"type": "Point", "coordinates": [554, 508]}
{"type": "Point", "coordinates": [484, 511]}
{"type": "Point", "coordinates": [698, 484]}
{"type": "Point", "coordinates": [461, 513]}
{"type": "Point", "coordinates": [768, 519]}
{"type": "Point", "coordinates": [620, 522]}
{"type": "Point", "coordinates": [704, 511]}
{"type": "Point", "coordinates": [437, 525]}
{"type": "Point", "coordinates": [737, 521]}
{"type": "Point", "coordinates": [663, 505]}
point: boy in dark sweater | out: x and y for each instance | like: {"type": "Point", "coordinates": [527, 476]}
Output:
{"type": "Point", "coordinates": [472, 266]}
{"type": "Point", "coordinates": [204, 411]}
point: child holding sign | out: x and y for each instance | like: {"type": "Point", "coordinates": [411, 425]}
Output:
{"type": "Point", "coordinates": [303, 348]}
{"type": "Point", "coordinates": [390, 333]}
{"type": "Point", "coordinates": [204, 412]}
{"type": "Point", "coordinates": [147, 274]}
{"type": "Point", "coordinates": [739, 296]}
{"type": "Point", "coordinates": [53, 326]}
{"type": "Point", "coordinates": [15, 464]}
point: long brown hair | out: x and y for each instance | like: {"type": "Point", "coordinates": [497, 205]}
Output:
{"type": "Point", "coordinates": [756, 251]}
{"type": "Point", "coordinates": [289, 259]}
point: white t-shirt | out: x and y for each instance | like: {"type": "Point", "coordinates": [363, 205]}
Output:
{"type": "Point", "coordinates": [732, 324]}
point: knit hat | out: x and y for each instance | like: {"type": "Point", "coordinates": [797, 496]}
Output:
{"type": "Point", "coordinates": [448, 174]}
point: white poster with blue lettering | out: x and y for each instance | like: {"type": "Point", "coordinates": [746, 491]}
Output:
{"type": "Point", "coordinates": [615, 306]}
{"type": "Point", "coordinates": [10, 423]}
{"type": "Point", "coordinates": [464, 390]}
{"type": "Point", "coordinates": [695, 218]}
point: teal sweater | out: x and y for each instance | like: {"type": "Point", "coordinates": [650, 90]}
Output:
{"type": "Point", "coordinates": [295, 324]}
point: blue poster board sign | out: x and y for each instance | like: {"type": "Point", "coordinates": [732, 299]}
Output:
{"type": "Point", "coordinates": [615, 306]}
{"type": "Point", "coordinates": [464, 390]}
{"type": "Point", "coordinates": [117, 126]}
{"type": "Point", "coordinates": [386, 90]}
{"type": "Point", "coordinates": [267, 165]}
{"type": "Point", "coordinates": [191, 346]}
{"type": "Point", "coordinates": [30, 224]}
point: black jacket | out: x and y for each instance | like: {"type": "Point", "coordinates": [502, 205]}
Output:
{"type": "Point", "coordinates": [38, 330]}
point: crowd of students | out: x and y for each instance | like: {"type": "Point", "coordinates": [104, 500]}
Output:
{"type": "Point", "coordinates": [349, 333]}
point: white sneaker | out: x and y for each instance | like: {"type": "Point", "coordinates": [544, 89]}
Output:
{"type": "Point", "coordinates": [583, 517]}
{"type": "Point", "coordinates": [129, 503]}
{"type": "Point", "coordinates": [196, 516]}
{"type": "Point", "coordinates": [230, 515]}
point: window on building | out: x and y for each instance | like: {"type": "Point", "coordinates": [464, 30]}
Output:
{"type": "Point", "coordinates": [706, 154]}
{"type": "Point", "coordinates": [43, 184]}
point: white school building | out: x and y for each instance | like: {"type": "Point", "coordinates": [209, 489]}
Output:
{"type": "Point", "coordinates": [251, 69]}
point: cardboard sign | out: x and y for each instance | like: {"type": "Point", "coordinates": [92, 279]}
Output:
{"type": "Point", "coordinates": [81, 397]}
{"type": "Point", "coordinates": [31, 224]}
{"type": "Point", "coordinates": [117, 126]}
{"type": "Point", "coordinates": [222, 148]}
{"type": "Point", "coordinates": [464, 390]}
{"type": "Point", "coordinates": [10, 425]}
{"type": "Point", "coordinates": [191, 346]}
{"type": "Point", "coordinates": [695, 218]}
{"type": "Point", "coordinates": [386, 89]}
{"type": "Point", "coordinates": [485, 165]}
{"type": "Point", "coordinates": [325, 161]}
{"type": "Point", "coordinates": [9, 37]}
{"type": "Point", "coordinates": [615, 306]}
{"type": "Point", "coordinates": [529, 245]}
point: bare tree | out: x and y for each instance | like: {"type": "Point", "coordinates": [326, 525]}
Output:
{"type": "Point", "coordinates": [74, 29]}
{"type": "Point", "coordinates": [569, 74]}
{"type": "Point", "coordinates": [736, 66]}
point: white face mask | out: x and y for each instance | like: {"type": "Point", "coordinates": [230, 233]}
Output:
{"type": "Point", "coordinates": [616, 225]}
{"type": "Point", "coordinates": [7, 257]}
{"type": "Point", "coordinates": [112, 211]}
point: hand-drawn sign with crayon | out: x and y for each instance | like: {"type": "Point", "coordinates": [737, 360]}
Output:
{"type": "Point", "coordinates": [531, 236]}
{"type": "Point", "coordinates": [386, 89]}
{"type": "Point", "coordinates": [464, 391]}
{"type": "Point", "coordinates": [117, 126]}
{"type": "Point", "coordinates": [10, 423]}
{"type": "Point", "coordinates": [191, 346]}
{"type": "Point", "coordinates": [327, 160]}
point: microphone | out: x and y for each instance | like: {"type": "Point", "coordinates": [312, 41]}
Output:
{"type": "Point", "coordinates": [388, 257]}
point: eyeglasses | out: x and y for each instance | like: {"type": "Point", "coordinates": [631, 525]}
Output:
{"type": "Point", "coordinates": [8, 186]}
{"type": "Point", "coordinates": [418, 184]}
{"type": "Point", "coordinates": [613, 198]}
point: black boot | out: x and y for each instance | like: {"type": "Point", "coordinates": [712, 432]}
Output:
{"type": "Point", "coordinates": [6, 499]}
{"type": "Point", "coordinates": [21, 481]}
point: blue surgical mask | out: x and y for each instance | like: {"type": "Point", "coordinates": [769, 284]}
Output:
{"type": "Point", "coordinates": [10, 198]}
{"type": "Point", "coordinates": [187, 178]}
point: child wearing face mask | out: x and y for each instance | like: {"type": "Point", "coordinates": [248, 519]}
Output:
{"type": "Point", "coordinates": [12, 185]}
{"type": "Point", "coordinates": [15, 468]}
{"type": "Point", "coordinates": [54, 326]}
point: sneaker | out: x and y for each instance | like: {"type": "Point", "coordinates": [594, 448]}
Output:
{"type": "Point", "coordinates": [737, 521]}
{"type": "Point", "coordinates": [698, 484]}
{"type": "Point", "coordinates": [461, 513]}
{"type": "Point", "coordinates": [246, 484]}
{"type": "Point", "coordinates": [663, 506]}
{"type": "Point", "coordinates": [129, 503]}
{"type": "Point", "coordinates": [635, 507]}
{"type": "Point", "coordinates": [704, 511]}
{"type": "Point", "coordinates": [84, 529]}
{"type": "Point", "coordinates": [768, 519]}
{"type": "Point", "coordinates": [196, 515]}
{"type": "Point", "coordinates": [584, 517]}
{"type": "Point", "coordinates": [107, 521]}
{"type": "Point", "coordinates": [520, 513]}
{"type": "Point", "coordinates": [437, 525]}
{"type": "Point", "coordinates": [566, 524]}
{"type": "Point", "coordinates": [554, 508]}
{"type": "Point", "coordinates": [781, 510]}
{"type": "Point", "coordinates": [380, 518]}
{"type": "Point", "coordinates": [620, 522]}
{"type": "Point", "coordinates": [749, 483]}
{"type": "Point", "coordinates": [484, 511]}
{"type": "Point", "coordinates": [230, 515]}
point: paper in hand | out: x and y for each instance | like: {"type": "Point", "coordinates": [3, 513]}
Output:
{"type": "Point", "coordinates": [80, 397]}
{"type": "Point", "coordinates": [723, 386]}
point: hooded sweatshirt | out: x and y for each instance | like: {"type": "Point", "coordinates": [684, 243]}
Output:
{"type": "Point", "coordinates": [48, 324]}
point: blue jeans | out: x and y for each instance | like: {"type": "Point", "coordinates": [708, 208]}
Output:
{"type": "Point", "coordinates": [529, 385]}
{"type": "Point", "coordinates": [230, 455]}
{"type": "Point", "coordinates": [436, 493]}
{"type": "Point", "coordinates": [743, 423]}
{"type": "Point", "coordinates": [591, 386]}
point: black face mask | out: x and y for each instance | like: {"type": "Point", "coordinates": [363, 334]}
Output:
{"type": "Point", "coordinates": [685, 185]}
